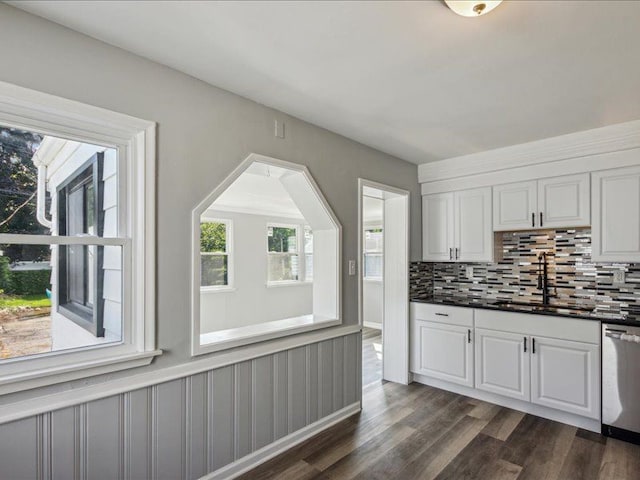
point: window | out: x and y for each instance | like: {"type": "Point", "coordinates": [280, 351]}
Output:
{"type": "Point", "coordinates": [373, 254]}
{"type": "Point", "coordinates": [76, 262]}
{"type": "Point", "coordinates": [215, 254]}
{"type": "Point", "coordinates": [308, 254]}
{"type": "Point", "coordinates": [283, 253]}
{"type": "Point", "coordinates": [285, 258]}
{"type": "Point", "coordinates": [80, 278]}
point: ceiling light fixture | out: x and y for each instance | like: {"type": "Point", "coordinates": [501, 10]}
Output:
{"type": "Point", "coordinates": [472, 8]}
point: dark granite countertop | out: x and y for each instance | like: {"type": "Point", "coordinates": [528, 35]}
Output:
{"type": "Point", "coordinates": [553, 310]}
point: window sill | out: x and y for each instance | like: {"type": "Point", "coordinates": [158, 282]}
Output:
{"type": "Point", "coordinates": [372, 280]}
{"type": "Point", "coordinates": [217, 289]}
{"type": "Point", "coordinates": [72, 371]}
{"type": "Point", "coordinates": [236, 337]}
{"type": "Point", "coordinates": [295, 283]}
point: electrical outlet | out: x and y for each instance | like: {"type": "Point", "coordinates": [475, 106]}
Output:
{"type": "Point", "coordinates": [469, 272]}
{"type": "Point", "coordinates": [619, 276]}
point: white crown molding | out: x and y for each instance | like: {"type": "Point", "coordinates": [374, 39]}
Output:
{"type": "Point", "coordinates": [613, 138]}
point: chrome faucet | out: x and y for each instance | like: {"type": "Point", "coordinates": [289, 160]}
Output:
{"type": "Point", "coordinates": [543, 277]}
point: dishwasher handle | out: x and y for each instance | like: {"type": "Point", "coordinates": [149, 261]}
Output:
{"type": "Point", "coordinates": [622, 335]}
{"type": "Point", "coordinates": [614, 333]}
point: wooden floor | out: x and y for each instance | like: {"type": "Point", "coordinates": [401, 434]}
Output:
{"type": "Point", "coordinates": [371, 356]}
{"type": "Point", "coordinates": [420, 432]}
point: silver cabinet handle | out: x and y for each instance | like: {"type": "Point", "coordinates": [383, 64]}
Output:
{"type": "Point", "coordinates": [533, 219]}
{"type": "Point", "coordinates": [525, 344]}
{"type": "Point", "coordinates": [468, 335]}
{"type": "Point", "coordinates": [540, 218]}
{"type": "Point", "coordinates": [442, 314]}
{"type": "Point", "coordinates": [451, 254]}
{"type": "Point", "coordinates": [457, 253]}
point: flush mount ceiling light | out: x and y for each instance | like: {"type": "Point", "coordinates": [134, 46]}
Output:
{"type": "Point", "coordinates": [472, 8]}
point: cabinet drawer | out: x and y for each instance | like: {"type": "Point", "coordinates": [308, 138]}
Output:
{"type": "Point", "coordinates": [442, 314]}
{"type": "Point", "coordinates": [564, 328]}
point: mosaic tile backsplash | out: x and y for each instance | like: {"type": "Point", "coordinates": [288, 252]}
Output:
{"type": "Point", "coordinates": [574, 278]}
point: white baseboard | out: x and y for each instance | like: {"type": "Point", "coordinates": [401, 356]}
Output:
{"type": "Point", "coordinates": [377, 326]}
{"type": "Point", "coordinates": [526, 407]}
{"type": "Point", "coordinates": [258, 457]}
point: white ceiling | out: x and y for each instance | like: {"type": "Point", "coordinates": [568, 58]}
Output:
{"type": "Point", "coordinates": [409, 78]}
{"type": "Point", "coordinates": [256, 193]}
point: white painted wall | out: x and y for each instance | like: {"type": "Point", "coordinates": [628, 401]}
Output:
{"type": "Point", "coordinates": [251, 301]}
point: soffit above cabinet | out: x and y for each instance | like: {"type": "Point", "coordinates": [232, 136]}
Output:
{"type": "Point", "coordinates": [603, 148]}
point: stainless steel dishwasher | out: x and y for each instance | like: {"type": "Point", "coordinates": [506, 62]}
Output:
{"type": "Point", "coordinates": [621, 382]}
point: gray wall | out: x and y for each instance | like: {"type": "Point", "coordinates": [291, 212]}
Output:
{"type": "Point", "coordinates": [203, 134]}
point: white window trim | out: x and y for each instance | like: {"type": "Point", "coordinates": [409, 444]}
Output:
{"type": "Point", "coordinates": [230, 257]}
{"type": "Point", "coordinates": [254, 343]}
{"type": "Point", "coordinates": [135, 141]}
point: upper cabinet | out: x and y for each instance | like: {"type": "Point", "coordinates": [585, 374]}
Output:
{"type": "Point", "coordinates": [616, 218]}
{"type": "Point", "coordinates": [547, 203]}
{"type": "Point", "coordinates": [457, 226]}
{"type": "Point", "coordinates": [514, 205]}
{"type": "Point", "coordinates": [437, 227]}
{"type": "Point", "coordinates": [564, 201]}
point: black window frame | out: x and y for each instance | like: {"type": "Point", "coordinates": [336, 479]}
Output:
{"type": "Point", "coordinates": [89, 318]}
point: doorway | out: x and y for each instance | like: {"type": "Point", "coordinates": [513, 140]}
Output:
{"type": "Point", "coordinates": [383, 250]}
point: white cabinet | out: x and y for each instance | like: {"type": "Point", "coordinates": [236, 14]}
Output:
{"type": "Point", "coordinates": [442, 342]}
{"type": "Point", "coordinates": [616, 215]}
{"type": "Point", "coordinates": [565, 375]}
{"type": "Point", "coordinates": [457, 226]}
{"type": "Point", "coordinates": [472, 232]}
{"type": "Point", "coordinates": [443, 351]}
{"type": "Point", "coordinates": [437, 227]}
{"type": "Point", "coordinates": [547, 203]}
{"type": "Point", "coordinates": [502, 363]}
{"type": "Point", "coordinates": [564, 201]}
{"type": "Point", "coordinates": [552, 362]}
{"type": "Point", "coordinates": [514, 206]}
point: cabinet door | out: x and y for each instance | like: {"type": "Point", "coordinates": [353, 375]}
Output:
{"type": "Point", "coordinates": [437, 227]}
{"type": "Point", "coordinates": [443, 351]}
{"type": "Point", "coordinates": [566, 376]}
{"type": "Point", "coordinates": [564, 201]}
{"type": "Point", "coordinates": [473, 226]}
{"type": "Point", "coordinates": [514, 206]}
{"type": "Point", "coordinates": [616, 215]}
{"type": "Point", "coordinates": [502, 364]}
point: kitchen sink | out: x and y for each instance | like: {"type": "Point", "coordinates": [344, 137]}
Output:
{"type": "Point", "coordinates": [543, 308]}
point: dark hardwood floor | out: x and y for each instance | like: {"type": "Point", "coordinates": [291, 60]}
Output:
{"type": "Point", "coordinates": [371, 356]}
{"type": "Point", "coordinates": [419, 432]}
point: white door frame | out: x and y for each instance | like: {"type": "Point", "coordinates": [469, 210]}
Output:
{"type": "Point", "coordinates": [395, 346]}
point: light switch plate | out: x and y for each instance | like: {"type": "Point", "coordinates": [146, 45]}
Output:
{"type": "Point", "coordinates": [619, 277]}
{"type": "Point", "coordinates": [279, 129]}
{"type": "Point", "coordinates": [469, 272]}
{"type": "Point", "coordinates": [352, 267]}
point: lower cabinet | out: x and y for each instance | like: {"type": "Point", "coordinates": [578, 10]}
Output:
{"type": "Point", "coordinates": [443, 351]}
{"type": "Point", "coordinates": [502, 363]}
{"type": "Point", "coordinates": [509, 354]}
{"type": "Point", "coordinates": [566, 376]}
{"type": "Point", "coordinates": [555, 373]}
